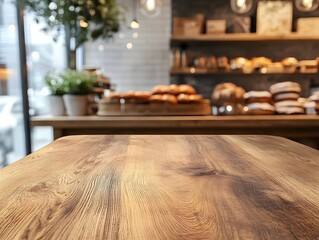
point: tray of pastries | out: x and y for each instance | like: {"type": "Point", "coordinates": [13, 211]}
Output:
{"type": "Point", "coordinates": [162, 100]}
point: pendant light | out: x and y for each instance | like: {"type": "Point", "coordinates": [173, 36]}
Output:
{"type": "Point", "coordinates": [241, 6]}
{"type": "Point", "coordinates": [134, 24]}
{"type": "Point", "coordinates": [306, 5]}
{"type": "Point", "coordinates": [150, 8]}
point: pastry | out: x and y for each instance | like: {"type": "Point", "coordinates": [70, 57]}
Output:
{"type": "Point", "coordinates": [286, 96]}
{"type": "Point", "coordinates": [289, 107]}
{"type": "Point", "coordinates": [200, 62]}
{"type": "Point", "coordinates": [212, 63]}
{"type": "Point", "coordinates": [290, 110]}
{"type": "Point", "coordinates": [169, 98]}
{"type": "Point", "coordinates": [163, 98]}
{"type": "Point", "coordinates": [187, 89]}
{"type": "Point", "coordinates": [240, 63]}
{"type": "Point", "coordinates": [259, 62]}
{"type": "Point", "coordinates": [258, 97]}
{"type": "Point", "coordinates": [113, 97]}
{"type": "Point", "coordinates": [290, 62]}
{"type": "Point", "coordinates": [183, 98]}
{"type": "Point", "coordinates": [173, 89]}
{"type": "Point", "coordinates": [288, 103]}
{"type": "Point", "coordinates": [142, 97]}
{"type": "Point", "coordinates": [260, 109]}
{"type": "Point", "coordinates": [222, 63]}
{"type": "Point", "coordinates": [195, 98]}
{"type": "Point", "coordinates": [285, 87]}
{"type": "Point", "coordinates": [227, 93]}
{"type": "Point", "coordinates": [160, 89]}
{"type": "Point", "coordinates": [275, 67]}
{"type": "Point", "coordinates": [308, 66]}
{"type": "Point", "coordinates": [157, 98]}
{"type": "Point", "coordinates": [128, 95]}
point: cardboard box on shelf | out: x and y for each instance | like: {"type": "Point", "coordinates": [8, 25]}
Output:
{"type": "Point", "coordinates": [188, 26]}
{"type": "Point", "coordinates": [308, 26]}
{"type": "Point", "coordinates": [274, 17]}
{"type": "Point", "coordinates": [216, 26]}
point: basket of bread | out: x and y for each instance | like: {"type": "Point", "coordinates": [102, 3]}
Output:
{"type": "Point", "coordinates": [170, 100]}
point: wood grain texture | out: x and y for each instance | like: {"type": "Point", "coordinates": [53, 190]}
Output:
{"type": "Point", "coordinates": [163, 187]}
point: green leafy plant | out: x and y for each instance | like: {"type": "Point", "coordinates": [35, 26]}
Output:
{"type": "Point", "coordinates": [77, 83]}
{"type": "Point", "coordinates": [54, 83]}
{"type": "Point", "coordinates": [77, 20]}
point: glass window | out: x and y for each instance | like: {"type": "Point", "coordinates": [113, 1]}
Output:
{"type": "Point", "coordinates": [43, 55]}
{"type": "Point", "coordinates": [12, 140]}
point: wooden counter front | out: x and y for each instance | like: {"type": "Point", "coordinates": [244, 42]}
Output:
{"type": "Point", "coordinates": [302, 126]}
{"type": "Point", "coordinates": [162, 187]}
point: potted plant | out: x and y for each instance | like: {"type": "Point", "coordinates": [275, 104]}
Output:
{"type": "Point", "coordinates": [56, 88]}
{"type": "Point", "coordinates": [77, 86]}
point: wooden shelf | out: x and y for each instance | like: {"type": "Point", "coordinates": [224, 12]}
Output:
{"type": "Point", "coordinates": [198, 71]}
{"type": "Point", "coordinates": [293, 126]}
{"type": "Point", "coordinates": [243, 37]}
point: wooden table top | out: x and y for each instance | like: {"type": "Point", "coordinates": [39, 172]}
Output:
{"type": "Point", "coordinates": [163, 187]}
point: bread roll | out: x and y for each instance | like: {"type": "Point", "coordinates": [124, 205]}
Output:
{"type": "Point", "coordinates": [169, 98]}
{"type": "Point", "coordinates": [227, 93]}
{"type": "Point", "coordinates": [160, 89]}
{"type": "Point", "coordinates": [187, 89]}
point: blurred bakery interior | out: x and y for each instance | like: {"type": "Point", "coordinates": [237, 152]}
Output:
{"type": "Point", "coordinates": [157, 67]}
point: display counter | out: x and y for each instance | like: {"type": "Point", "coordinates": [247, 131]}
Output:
{"type": "Point", "coordinates": [301, 126]}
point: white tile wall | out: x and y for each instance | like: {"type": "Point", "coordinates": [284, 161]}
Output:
{"type": "Point", "coordinates": [143, 66]}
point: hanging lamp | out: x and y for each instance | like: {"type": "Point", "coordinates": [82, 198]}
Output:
{"type": "Point", "coordinates": [241, 6]}
{"type": "Point", "coordinates": [134, 23]}
{"type": "Point", "coordinates": [306, 5]}
{"type": "Point", "coordinates": [150, 8]}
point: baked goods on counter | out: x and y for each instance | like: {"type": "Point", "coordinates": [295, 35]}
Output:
{"type": "Point", "coordinates": [285, 87]}
{"type": "Point", "coordinates": [308, 66]}
{"type": "Point", "coordinates": [286, 95]}
{"type": "Point", "coordinates": [226, 93]}
{"type": "Point", "coordinates": [290, 64]}
{"type": "Point", "coordinates": [160, 89]}
{"type": "Point", "coordinates": [222, 63]}
{"type": "Point", "coordinates": [228, 98]}
{"type": "Point", "coordinates": [243, 64]}
{"type": "Point", "coordinates": [259, 103]}
{"type": "Point", "coordinates": [161, 100]}
{"type": "Point", "coordinates": [260, 108]}
{"type": "Point", "coordinates": [187, 89]}
{"type": "Point", "coordinates": [275, 67]}
{"type": "Point", "coordinates": [259, 62]}
{"type": "Point", "coordinates": [258, 97]}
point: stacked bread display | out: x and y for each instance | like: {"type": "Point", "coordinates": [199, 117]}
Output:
{"type": "Point", "coordinates": [285, 96]}
{"type": "Point", "coordinates": [259, 103]}
{"type": "Point", "coordinates": [171, 94]}
{"type": "Point", "coordinates": [161, 100]}
{"type": "Point", "coordinates": [175, 94]}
